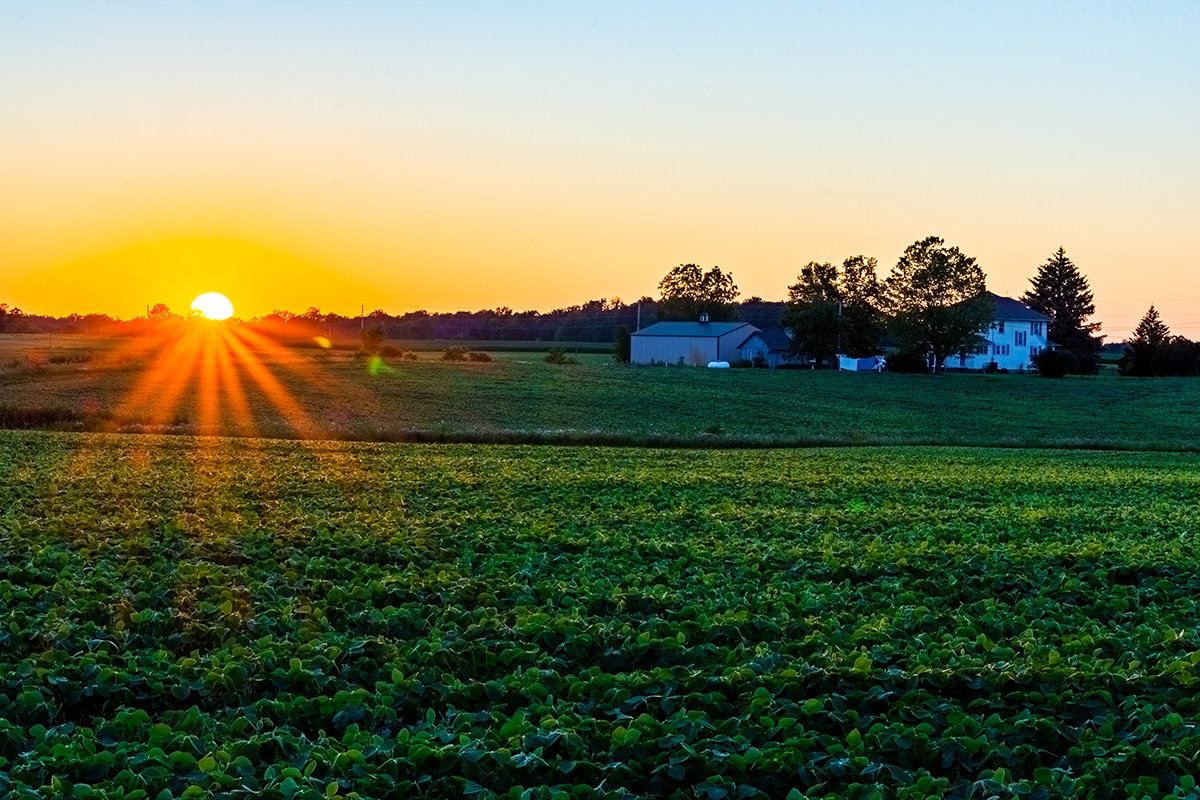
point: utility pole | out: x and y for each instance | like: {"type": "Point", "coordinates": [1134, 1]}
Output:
{"type": "Point", "coordinates": [639, 322]}
{"type": "Point", "coordinates": [362, 319]}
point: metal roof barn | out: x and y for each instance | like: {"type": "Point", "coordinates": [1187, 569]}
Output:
{"type": "Point", "coordinates": [691, 343]}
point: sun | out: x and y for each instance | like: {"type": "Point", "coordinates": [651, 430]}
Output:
{"type": "Point", "coordinates": [213, 305]}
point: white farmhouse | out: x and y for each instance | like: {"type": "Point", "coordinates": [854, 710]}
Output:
{"type": "Point", "coordinates": [1018, 333]}
{"type": "Point", "coordinates": [692, 343]}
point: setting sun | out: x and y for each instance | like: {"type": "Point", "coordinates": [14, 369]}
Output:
{"type": "Point", "coordinates": [213, 305]}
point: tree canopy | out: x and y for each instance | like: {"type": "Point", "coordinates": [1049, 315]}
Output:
{"type": "Point", "coordinates": [936, 299]}
{"type": "Point", "coordinates": [832, 311]}
{"type": "Point", "coordinates": [1060, 292]}
{"type": "Point", "coordinates": [688, 291]}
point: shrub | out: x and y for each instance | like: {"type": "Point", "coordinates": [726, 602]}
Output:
{"type": "Point", "coordinates": [455, 353]}
{"type": "Point", "coordinates": [1054, 363]}
{"type": "Point", "coordinates": [907, 361]}
{"type": "Point", "coordinates": [478, 355]}
{"type": "Point", "coordinates": [742, 363]}
{"type": "Point", "coordinates": [391, 351]}
{"type": "Point", "coordinates": [559, 356]}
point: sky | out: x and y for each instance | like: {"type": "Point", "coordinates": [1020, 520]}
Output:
{"type": "Point", "coordinates": [457, 155]}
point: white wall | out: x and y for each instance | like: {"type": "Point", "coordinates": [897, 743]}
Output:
{"type": "Point", "coordinates": [1012, 348]}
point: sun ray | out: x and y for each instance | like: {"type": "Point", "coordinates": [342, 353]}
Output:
{"type": "Point", "coordinates": [162, 383]}
{"type": "Point", "coordinates": [243, 419]}
{"type": "Point", "coordinates": [277, 394]}
{"type": "Point", "coordinates": [209, 400]}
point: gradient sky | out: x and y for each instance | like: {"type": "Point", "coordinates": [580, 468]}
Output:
{"type": "Point", "coordinates": [468, 155]}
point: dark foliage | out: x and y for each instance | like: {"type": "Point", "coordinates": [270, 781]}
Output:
{"type": "Point", "coordinates": [1178, 357]}
{"type": "Point", "coordinates": [559, 356]}
{"type": "Point", "coordinates": [1055, 363]}
{"type": "Point", "coordinates": [908, 362]}
{"type": "Point", "coordinates": [833, 312]}
{"type": "Point", "coordinates": [1062, 293]}
{"type": "Point", "coordinates": [1138, 356]}
{"type": "Point", "coordinates": [688, 291]}
{"type": "Point", "coordinates": [622, 345]}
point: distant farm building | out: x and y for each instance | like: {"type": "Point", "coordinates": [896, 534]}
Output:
{"type": "Point", "coordinates": [692, 343]}
{"type": "Point", "coordinates": [1017, 334]}
{"type": "Point", "coordinates": [769, 348]}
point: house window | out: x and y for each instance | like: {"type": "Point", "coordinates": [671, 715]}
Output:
{"type": "Point", "coordinates": [1037, 329]}
{"type": "Point", "coordinates": [1001, 350]}
{"type": "Point", "coordinates": [1019, 338]}
{"type": "Point", "coordinates": [1033, 351]}
{"type": "Point", "coordinates": [1000, 327]}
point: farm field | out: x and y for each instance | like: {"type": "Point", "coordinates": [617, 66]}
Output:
{"type": "Point", "coordinates": [289, 393]}
{"type": "Point", "coordinates": [228, 618]}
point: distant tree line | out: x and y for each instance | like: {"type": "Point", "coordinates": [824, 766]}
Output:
{"type": "Point", "coordinates": [594, 321]}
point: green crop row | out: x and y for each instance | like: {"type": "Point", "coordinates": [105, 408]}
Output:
{"type": "Point", "coordinates": [249, 618]}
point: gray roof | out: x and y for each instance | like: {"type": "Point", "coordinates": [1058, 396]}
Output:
{"type": "Point", "coordinates": [775, 339]}
{"type": "Point", "coordinates": [703, 329]}
{"type": "Point", "coordinates": [1009, 309]}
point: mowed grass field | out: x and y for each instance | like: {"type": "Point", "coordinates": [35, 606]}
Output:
{"type": "Point", "coordinates": [235, 618]}
{"type": "Point", "coordinates": [522, 399]}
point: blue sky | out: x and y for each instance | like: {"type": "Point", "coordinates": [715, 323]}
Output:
{"type": "Point", "coordinates": [467, 154]}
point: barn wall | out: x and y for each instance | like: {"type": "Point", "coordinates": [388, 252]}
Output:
{"type": "Point", "coordinates": [696, 350]}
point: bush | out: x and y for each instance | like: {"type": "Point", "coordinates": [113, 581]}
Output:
{"type": "Point", "coordinates": [559, 356]}
{"type": "Point", "coordinates": [391, 351]}
{"type": "Point", "coordinates": [908, 362]}
{"type": "Point", "coordinates": [478, 355]}
{"type": "Point", "coordinates": [742, 363]}
{"type": "Point", "coordinates": [455, 353]}
{"type": "Point", "coordinates": [1055, 363]}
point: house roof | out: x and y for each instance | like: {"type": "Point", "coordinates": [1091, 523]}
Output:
{"type": "Point", "coordinates": [775, 339]}
{"type": "Point", "coordinates": [706, 330]}
{"type": "Point", "coordinates": [1009, 309]}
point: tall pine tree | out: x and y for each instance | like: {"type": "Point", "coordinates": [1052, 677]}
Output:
{"type": "Point", "coordinates": [1061, 293]}
{"type": "Point", "coordinates": [1150, 335]}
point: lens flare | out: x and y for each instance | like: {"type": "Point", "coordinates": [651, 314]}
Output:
{"type": "Point", "coordinates": [213, 305]}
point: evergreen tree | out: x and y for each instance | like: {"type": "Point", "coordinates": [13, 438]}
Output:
{"type": "Point", "coordinates": [1061, 293]}
{"type": "Point", "coordinates": [622, 345]}
{"type": "Point", "coordinates": [1150, 334]}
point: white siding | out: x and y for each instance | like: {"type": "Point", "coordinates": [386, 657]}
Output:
{"type": "Point", "coordinates": [1012, 349]}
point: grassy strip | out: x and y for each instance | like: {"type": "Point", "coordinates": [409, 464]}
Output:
{"type": "Point", "coordinates": [64, 419]}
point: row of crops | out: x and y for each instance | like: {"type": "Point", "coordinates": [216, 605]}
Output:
{"type": "Point", "coordinates": [247, 618]}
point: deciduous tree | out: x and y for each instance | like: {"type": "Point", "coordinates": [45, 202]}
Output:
{"type": "Point", "coordinates": [813, 312]}
{"type": "Point", "coordinates": [936, 300]}
{"type": "Point", "coordinates": [688, 291]}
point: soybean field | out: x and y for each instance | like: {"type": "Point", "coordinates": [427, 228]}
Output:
{"type": "Point", "coordinates": [234, 618]}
